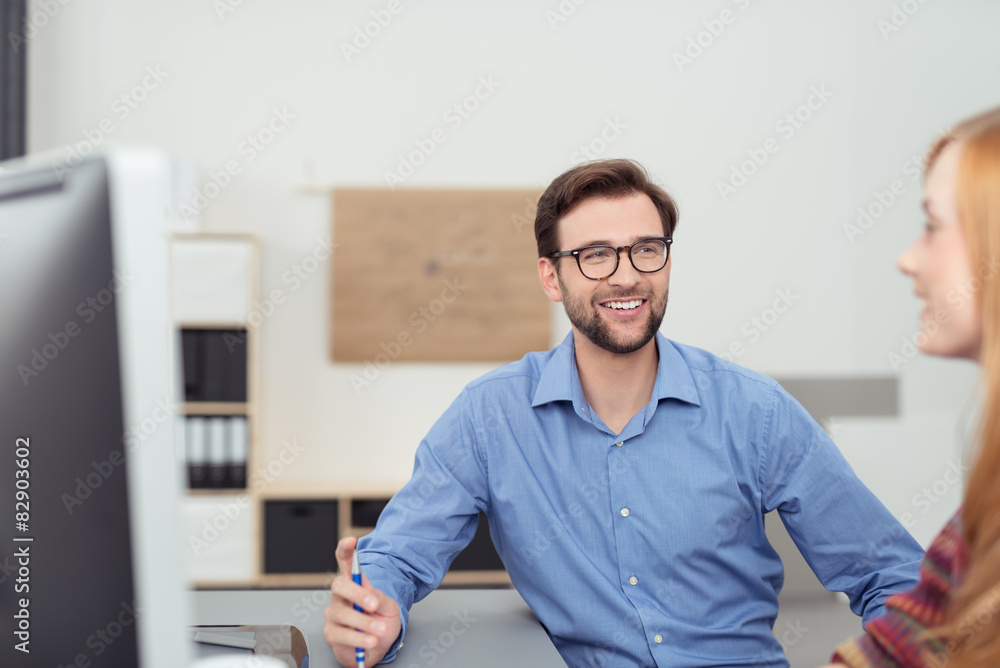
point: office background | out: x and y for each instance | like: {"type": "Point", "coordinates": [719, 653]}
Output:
{"type": "Point", "coordinates": [807, 112]}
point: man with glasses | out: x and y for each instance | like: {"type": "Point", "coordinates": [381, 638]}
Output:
{"type": "Point", "coordinates": [625, 476]}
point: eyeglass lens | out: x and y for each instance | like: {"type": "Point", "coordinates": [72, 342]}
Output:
{"type": "Point", "coordinates": [601, 261]}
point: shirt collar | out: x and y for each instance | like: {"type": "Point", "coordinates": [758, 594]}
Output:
{"type": "Point", "coordinates": [560, 380]}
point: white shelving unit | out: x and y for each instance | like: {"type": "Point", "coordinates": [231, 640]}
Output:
{"type": "Point", "coordinates": [214, 279]}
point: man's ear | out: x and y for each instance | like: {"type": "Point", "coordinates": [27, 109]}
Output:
{"type": "Point", "coordinates": [549, 278]}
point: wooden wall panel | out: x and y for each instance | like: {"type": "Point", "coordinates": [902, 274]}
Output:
{"type": "Point", "coordinates": [436, 275]}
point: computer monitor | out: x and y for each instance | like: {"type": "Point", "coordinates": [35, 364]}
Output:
{"type": "Point", "coordinates": [90, 570]}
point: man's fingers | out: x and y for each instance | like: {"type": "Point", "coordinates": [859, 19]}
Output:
{"type": "Point", "coordinates": [343, 587]}
{"type": "Point", "coordinates": [346, 628]}
{"type": "Point", "coordinates": [346, 615]}
{"type": "Point", "coordinates": [345, 553]}
{"type": "Point", "coordinates": [341, 635]}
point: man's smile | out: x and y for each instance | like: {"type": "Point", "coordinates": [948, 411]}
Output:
{"type": "Point", "coordinates": [628, 308]}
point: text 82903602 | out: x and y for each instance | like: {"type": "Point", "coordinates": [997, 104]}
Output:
{"type": "Point", "coordinates": [22, 554]}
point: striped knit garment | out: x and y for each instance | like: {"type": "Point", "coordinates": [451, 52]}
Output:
{"type": "Point", "coordinates": [891, 640]}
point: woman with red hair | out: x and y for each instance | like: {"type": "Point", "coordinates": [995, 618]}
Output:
{"type": "Point", "coordinates": [952, 617]}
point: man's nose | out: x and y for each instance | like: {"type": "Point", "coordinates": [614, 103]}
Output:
{"type": "Point", "coordinates": [626, 274]}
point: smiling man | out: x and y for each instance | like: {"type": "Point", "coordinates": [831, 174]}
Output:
{"type": "Point", "coordinates": [625, 476]}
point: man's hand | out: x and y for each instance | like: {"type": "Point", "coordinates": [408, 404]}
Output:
{"type": "Point", "coordinates": [376, 629]}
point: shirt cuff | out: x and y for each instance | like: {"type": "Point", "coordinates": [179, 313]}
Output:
{"type": "Point", "coordinates": [398, 645]}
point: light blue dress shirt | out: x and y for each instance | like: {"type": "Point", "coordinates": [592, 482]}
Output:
{"type": "Point", "coordinates": [645, 548]}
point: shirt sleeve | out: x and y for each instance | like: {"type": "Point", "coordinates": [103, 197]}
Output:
{"type": "Point", "coordinates": [847, 536]}
{"type": "Point", "coordinates": [894, 639]}
{"type": "Point", "coordinates": [433, 517]}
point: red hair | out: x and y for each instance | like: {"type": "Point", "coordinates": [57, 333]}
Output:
{"type": "Point", "coordinates": [971, 632]}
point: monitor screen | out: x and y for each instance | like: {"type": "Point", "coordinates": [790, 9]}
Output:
{"type": "Point", "coordinates": [72, 263]}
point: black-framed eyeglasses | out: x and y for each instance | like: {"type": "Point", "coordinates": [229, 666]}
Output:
{"type": "Point", "coordinates": [600, 262]}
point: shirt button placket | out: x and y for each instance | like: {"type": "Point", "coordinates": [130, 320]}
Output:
{"type": "Point", "coordinates": [616, 473]}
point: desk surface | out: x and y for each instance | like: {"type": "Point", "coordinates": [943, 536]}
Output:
{"type": "Point", "coordinates": [456, 627]}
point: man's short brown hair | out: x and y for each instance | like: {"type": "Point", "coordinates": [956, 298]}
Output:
{"type": "Point", "coordinates": [610, 179]}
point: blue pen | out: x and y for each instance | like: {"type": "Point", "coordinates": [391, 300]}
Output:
{"type": "Point", "coordinates": [359, 652]}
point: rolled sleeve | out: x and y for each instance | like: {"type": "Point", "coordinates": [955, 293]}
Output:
{"type": "Point", "coordinates": [848, 537]}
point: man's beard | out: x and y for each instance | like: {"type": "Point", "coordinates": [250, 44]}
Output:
{"type": "Point", "coordinates": [586, 318]}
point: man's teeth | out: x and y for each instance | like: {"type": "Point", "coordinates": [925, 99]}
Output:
{"type": "Point", "coordinates": [635, 303]}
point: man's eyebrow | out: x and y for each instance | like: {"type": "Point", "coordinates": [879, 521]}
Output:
{"type": "Point", "coordinates": [606, 242]}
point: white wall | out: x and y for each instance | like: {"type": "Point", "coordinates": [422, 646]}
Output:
{"type": "Point", "coordinates": [558, 85]}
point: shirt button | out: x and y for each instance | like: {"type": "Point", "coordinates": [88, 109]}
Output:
{"type": "Point", "coordinates": [619, 444]}
{"type": "Point", "coordinates": [657, 638]}
{"type": "Point", "coordinates": [624, 512]}
{"type": "Point", "coordinates": [633, 580]}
